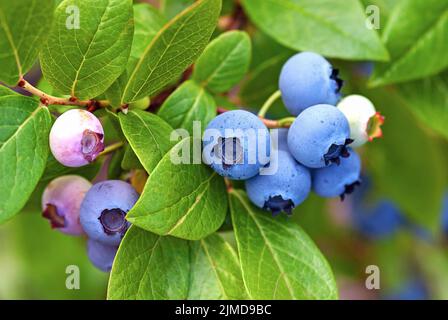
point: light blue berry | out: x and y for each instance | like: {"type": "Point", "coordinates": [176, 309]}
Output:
{"type": "Point", "coordinates": [338, 180]}
{"type": "Point", "coordinates": [104, 209]}
{"type": "Point", "coordinates": [236, 145]}
{"type": "Point", "coordinates": [102, 256]}
{"type": "Point", "coordinates": [308, 79]}
{"type": "Point", "coordinates": [319, 136]}
{"type": "Point", "coordinates": [288, 187]}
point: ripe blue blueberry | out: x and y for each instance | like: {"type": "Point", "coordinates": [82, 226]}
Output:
{"type": "Point", "coordinates": [415, 289]}
{"type": "Point", "coordinates": [288, 187]}
{"type": "Point", "coordinates": [61, 201]}
{"type": "Point", "coordinates": [236, 145]}
{"type": "Point", "coordinates": [308, 79]}
{"type": "Point", "coordinates": [76, 138]}
{"type": "Point", "coordinates": [319, 136]}
{"type": "Point", "coordinates": [377, 219]}
{"type": "Point", "coordinates": [104, 209]}
{"type": "Point", "coordinates": [102, 256]}
{"type": "Point", "coordinates": [338, 180]}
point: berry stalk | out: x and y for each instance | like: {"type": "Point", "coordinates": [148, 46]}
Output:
{"type": "Point", "coordinates": [47, 99]}
{"type": "Point", "coordinates": [267, 105]}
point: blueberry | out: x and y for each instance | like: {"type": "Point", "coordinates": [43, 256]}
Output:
{"type": "Point", "coordinates": [307, 79]}
{"type": "Point", "coordinates": [61, 201]}
{"type": "Point", "coordinates": [365, 122]}
{"type": "Point", "coordinates": [378, 220]}
{"type": "Point", "coordinates": [338, 179]}
{"type": "Point", "coordinates": [414, 289]}
{"type": "Point", "coordinates": [102, 256]}
{"type": "Point", "coordinates": [282, 138]}
{"type": "Point", "coordinates": [236, 145]}
{"type": "Point", "coordinates": [319, 136]}
{"type": "Point", "coordinates": [288, 187]}
{"type": "Point", "coordinates": [76, 138]}
{"type": "Point", "coordinates": [104, 209]}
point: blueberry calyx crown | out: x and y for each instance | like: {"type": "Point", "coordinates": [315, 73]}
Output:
{"type": "Point", "coordinates": [113, 221]}
{"type": "Point", "coordinates": [349, 188]}
{"type": "Point", "coordinates": [229, 151]}
{"type": "Point", "coordinates": [91, 144]}
{"type": "Point", "coordinates": [339, 82]}
{"type": "Point", "coordinates": [336, 151]}
{"type": "Point", "coordinates": [277, 204]}
{"type": "Point", "coordinates": [51, 213]}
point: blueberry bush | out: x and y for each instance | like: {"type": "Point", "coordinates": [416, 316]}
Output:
{"type": "Point", "coordinates": [106, 104]}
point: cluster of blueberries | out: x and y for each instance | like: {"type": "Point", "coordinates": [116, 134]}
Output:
{"type": "Point", "coordinates": [75, 207]}
{"type": "Point", "coordinates": [313, 153]}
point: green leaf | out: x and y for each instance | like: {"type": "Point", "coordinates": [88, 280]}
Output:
{"type": "Point", "coordinates": [415, 41]}
{"type": "Point", "coordinates": [148, 22]}
{"type": "Point", "coordinates": [83, 62]}
{"type": "Point", "coordinates": [148, 135]}
{"type": "Point", "coordinates": [262, 82]}
{"type": "Point", "coordinates": [185, 200]}
{"type": "Point", "coordinates": [278, 260]}
{"type": "Point", "coordinates": [24, 25]}
{"type": "Point", "coordinates": [400, 161]}
{"type": "Point", "coordinates": [224, 62]}
{"type": "Point", "coordinates": [215, 271]}
{"type": "Point", "coordinates": [172, 50]}
{"type": "Point", "coordinates": [428, 100]}
{"type": "Point", "coordinates": [24, 129]}
{"type": "Point", "coordinates": [187, 104]}
{"type": "Point", "coordinates": [148, 266]}
{"type": "Point", "coordinates": [130, 160]}
{"type": "Point", "coordinates": [333, 28]}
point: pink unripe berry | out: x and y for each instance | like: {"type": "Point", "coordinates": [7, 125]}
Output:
{"type": "Point", "coordinates": [76, 138]}
{"type": "Point", "coordinates": [61, 201]}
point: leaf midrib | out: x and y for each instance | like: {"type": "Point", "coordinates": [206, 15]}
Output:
{"type": "Point", "coordinates": [214, 268]}
{"type": "Point", "coordinates": [151, 44]}
{"type": "Point", "coordinates": [92, 40]}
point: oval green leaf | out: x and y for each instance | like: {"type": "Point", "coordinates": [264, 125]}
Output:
{"type": "Point", "coordinates": [24, 129]}
{"type": "Point", "coordinates": [83, 60]}
{"type": "Point", "coordinates": [215, 271]}
{"type": "Point", "coordinates": [148, 135]}
{"type": "Point", "coordinates": [148, 266]}
{"type": "Point", "coordinates": [24, 25]}
{"type": "Point", "coordinates": [172, 50]}
{"type": "Point", "coordinates": [416, 42]}
{"type": "Point", "coordinates": [224, 62]}
{"type": "Point", "coordinates": [278, 260]}
{"type": "Point", "coordinates": [332, 28]}
{"type": "Point", "coordinates": [188, 103]}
